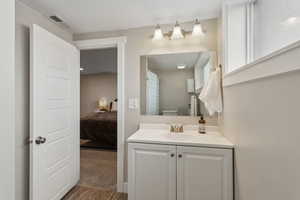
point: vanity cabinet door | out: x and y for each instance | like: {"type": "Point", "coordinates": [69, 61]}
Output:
{"type": "Point", "coordinates": [204, 174]}
{"type": "Point", "coordinates": [152, 172]}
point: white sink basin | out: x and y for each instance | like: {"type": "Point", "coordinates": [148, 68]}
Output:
{"type": "Point", "coordinates": [160, 134]}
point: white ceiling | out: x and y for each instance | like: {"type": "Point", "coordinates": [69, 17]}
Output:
{"type": "Point", "coordinates": [171, 61]}
{"type": "Point", "coordinates": [101, 15]}
{"type": "Point", "coordinates": [98, 61]}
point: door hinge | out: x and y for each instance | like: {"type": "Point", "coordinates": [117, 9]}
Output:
{"type": "Point", "coordinates": [29, 141]}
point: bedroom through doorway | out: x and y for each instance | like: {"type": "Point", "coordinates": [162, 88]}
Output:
{"type": "Point", "coordinates": [98, 118]}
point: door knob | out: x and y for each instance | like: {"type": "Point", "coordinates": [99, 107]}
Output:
{"type": "Point", "coordinates": [40, 140]}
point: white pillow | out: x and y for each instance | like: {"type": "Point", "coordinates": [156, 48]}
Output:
{"type": "Point", "coordinates": [114, 106]}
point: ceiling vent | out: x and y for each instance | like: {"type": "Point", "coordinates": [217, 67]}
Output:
{"type": "Point", "coordinates": [56, 19]}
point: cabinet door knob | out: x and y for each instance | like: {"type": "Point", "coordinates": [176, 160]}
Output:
{"type": "Point", "coordinates": [180, 156]}
{"type": "Point", "coordinates": [172, 155]}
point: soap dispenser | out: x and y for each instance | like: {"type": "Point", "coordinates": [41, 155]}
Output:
{"type": "Point", "coordinates": [202, 125]}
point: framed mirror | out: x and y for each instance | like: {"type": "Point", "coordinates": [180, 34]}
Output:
{"type": "Point", "coordinates": [171, 83]}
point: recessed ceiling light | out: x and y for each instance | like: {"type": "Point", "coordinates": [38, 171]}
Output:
{"type": "Point", "coordinates": [81, 68]}
{"type": "Point", "coordinates": [181, 66]}
{"type": "Point", "coordinates": [292, 20]}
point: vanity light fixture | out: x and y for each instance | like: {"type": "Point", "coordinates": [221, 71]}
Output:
{"type": "Point", "coordinates": [181, 66]}
{"type": "Point", "coordinates": [177, 32]}
{"type": "Point", "coordinates": [197, 29]}
{"type": "Point", "coordinates": [158, 34]}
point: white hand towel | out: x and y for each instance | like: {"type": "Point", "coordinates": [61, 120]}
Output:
{"type": "Point", "coordinates": [211, 93]}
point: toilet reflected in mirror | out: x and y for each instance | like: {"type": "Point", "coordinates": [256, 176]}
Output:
{"type": "Point", "coordinates": [171, 83]}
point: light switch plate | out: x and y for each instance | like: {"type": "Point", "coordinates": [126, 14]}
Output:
{"type": "Point", "coordinates": [133, 103]}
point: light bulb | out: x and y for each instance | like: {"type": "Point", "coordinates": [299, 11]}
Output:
{"type": "Point", "coordinates": [177, 32]}
{"type": "Point", "coordinates": [197, 29]}
{"type": "Point", "coordinates": [158, 35]}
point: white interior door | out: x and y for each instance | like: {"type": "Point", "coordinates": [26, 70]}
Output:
{"type": "Point", "coordinates": [54, 107]}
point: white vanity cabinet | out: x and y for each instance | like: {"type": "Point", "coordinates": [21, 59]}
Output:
{"type": "Point", "coordinates": [175, 172]}
{"type": "Point", "coordinates": [204, 173]}
{"type": "Point", "coordinates": [152, 172]}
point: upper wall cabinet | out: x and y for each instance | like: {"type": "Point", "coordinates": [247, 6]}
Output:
{"type": "Point", "coordinates": [238, 33]}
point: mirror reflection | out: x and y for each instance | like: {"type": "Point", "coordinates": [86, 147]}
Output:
{"type": "Point", "coordinates": [171, 83]}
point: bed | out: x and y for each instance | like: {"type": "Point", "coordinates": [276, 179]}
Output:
{"type": "Point", "coordinates": [99, 129]}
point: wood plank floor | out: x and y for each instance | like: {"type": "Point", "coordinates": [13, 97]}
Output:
{"type": "Point", "coordinates": [98, 177]}
{"type": "Point", "coordinates": [89, 193]}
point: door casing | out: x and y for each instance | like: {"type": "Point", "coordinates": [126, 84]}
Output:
{"type": "Point", "coordinates": [120, 43]}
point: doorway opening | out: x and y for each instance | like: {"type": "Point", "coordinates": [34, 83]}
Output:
{"type": "Point", "coordinates": [98, 118]}
{"type": "Point", "coordinates": [108, 148]}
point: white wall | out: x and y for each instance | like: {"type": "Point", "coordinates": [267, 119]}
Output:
{"type": "Point", "coordinates": [25, 16]}
{"type": "Point", "coordinates": [7, 98]}
{"type": "Point", "coordinates": [261, 117]}
{"type": "Point", "coordinates": [95, 86]}
{"type": "Point", "coordinates": [272, 31]}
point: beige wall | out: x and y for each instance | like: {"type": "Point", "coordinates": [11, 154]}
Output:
{"type": "Point", "coordinates": [139, 43]}
{"type": "Point", "coordinates": [261, 118]}
{"type": "Point", "coordinates": [94, 87]}
{"type": "Point", "coordinates": [173, 90]}
{"type": "Point", "coordinates": [26, 16]}
{"type": "Point", "coordinates": [173, 93]}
